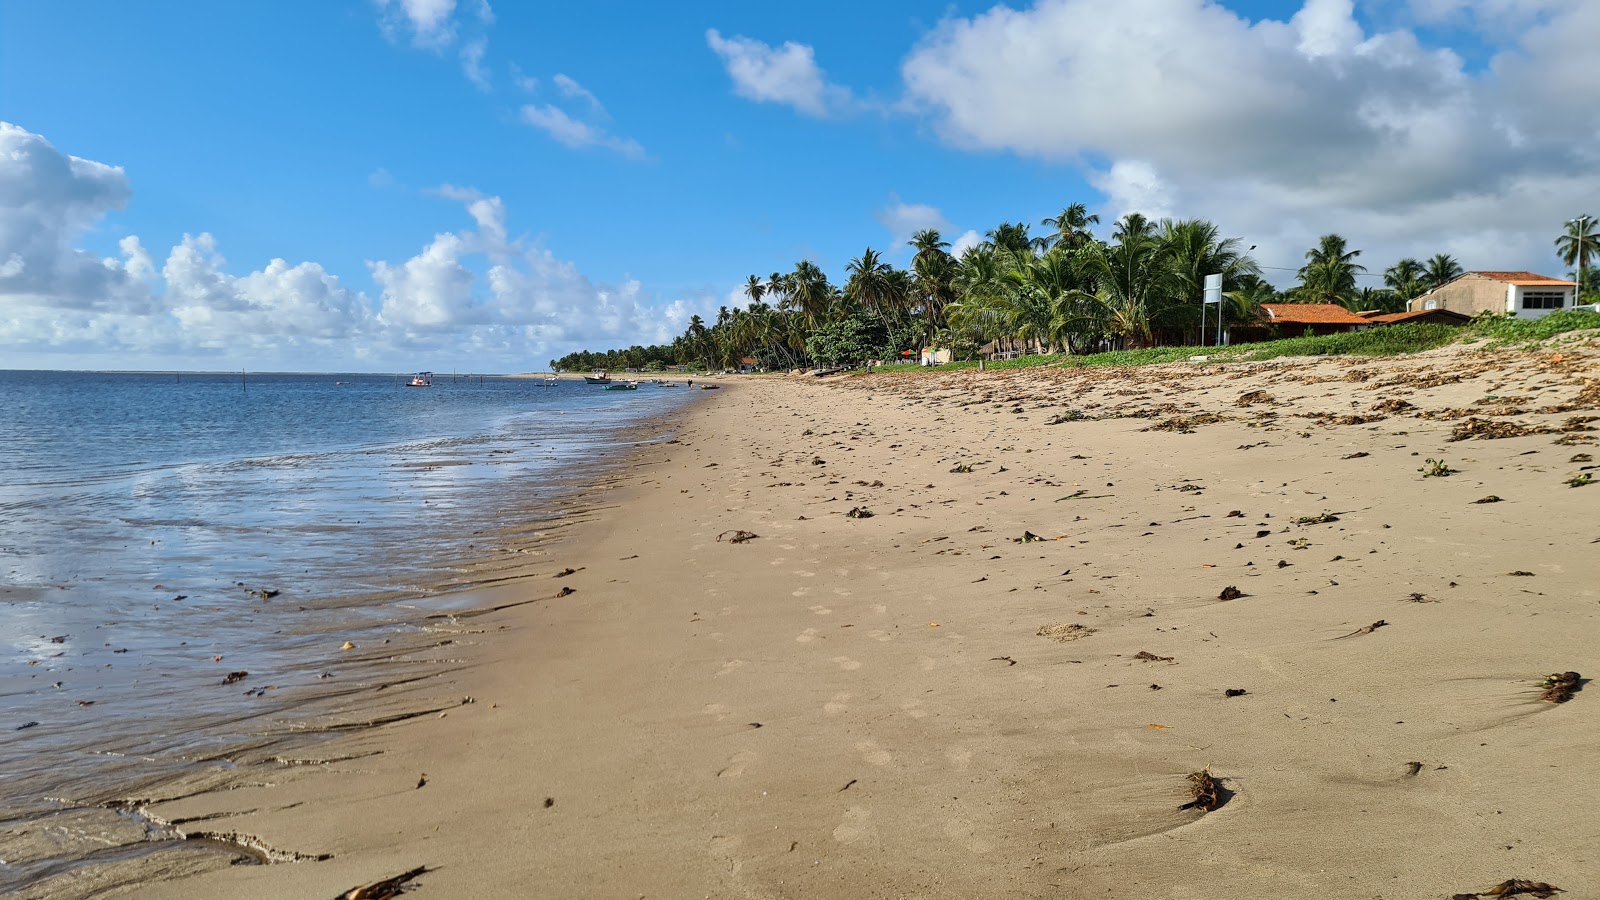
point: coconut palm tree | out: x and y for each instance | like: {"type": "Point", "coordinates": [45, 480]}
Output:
{"type": "Point", "coordinates": [1406, 279]}
{"type": "Point", "coordinates": [1442, 268]}
{"type": "Point", "coordinates": [807, 290]}
{"type": "Point", "coordinates": [1196, 249]}
{"type": "Point", "coordinates": [1131, 226]}
{"type": "Point", "coordinates": [1132, 278]}
{"type": "Point", "coordinates": [1329, 275]}
{"type": "Point", "coordinates": [755, 289]}
{"type": "Point", "coordinates": [1013, 238]}
{"type": "Point", "coordinates": [1071, 227]}
{"type": "Point", "coordinates": [1580, 244]}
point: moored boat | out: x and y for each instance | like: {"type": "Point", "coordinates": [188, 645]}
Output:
{"type": "Point", "coordinates": [597, 378]}
{"type": "Point", "coordinates": [622, 386]}
{"type": "Point", "coordinates": [421, 379]}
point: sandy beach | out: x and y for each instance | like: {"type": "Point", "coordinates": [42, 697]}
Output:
{"type": "Point", "coordinates": [978, 645]}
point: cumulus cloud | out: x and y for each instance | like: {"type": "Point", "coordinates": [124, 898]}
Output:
{"type": "Point", "coordinates": [1287, 129]}
{"type": "Point", "coordinates": [436, 25]}
{"type": "Point", "coordinates": [477, 294]}
{"type": "Point", "coordinates": [902, 220]}
{"type": "Point", "coordinates": [787, 75]}
{"type": "Point", "coordinates": [576, 133]}
{"type": "Point", "coordinates": [49, 199]}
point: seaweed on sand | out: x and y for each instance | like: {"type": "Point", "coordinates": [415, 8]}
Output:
{"type": "Point", "coordinates": [1204, 789]}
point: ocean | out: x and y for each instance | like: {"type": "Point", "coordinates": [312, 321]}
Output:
{"type": "Point", "coordinates": [160, 531]}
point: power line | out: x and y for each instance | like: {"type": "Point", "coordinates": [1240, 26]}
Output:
{"type": "Point", "coordinates": [1286, 269]}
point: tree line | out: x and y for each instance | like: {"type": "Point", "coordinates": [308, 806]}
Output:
{"type": "Point", "coordinates": [1061, 290]}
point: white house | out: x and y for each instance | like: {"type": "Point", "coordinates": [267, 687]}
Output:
{"type": "Point", "coordinates": [1526, 295]}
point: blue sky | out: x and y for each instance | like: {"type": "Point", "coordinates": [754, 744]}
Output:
{"type": "Point", "coordinates": [641, 164]}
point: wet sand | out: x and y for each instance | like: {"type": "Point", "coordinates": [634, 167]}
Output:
{"type": "Point", "coordinates": [927, 701]}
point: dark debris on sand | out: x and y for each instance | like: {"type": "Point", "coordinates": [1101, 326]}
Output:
{"type": "Point", "coordinates": [1515, 887]}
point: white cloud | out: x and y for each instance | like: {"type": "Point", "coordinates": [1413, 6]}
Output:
{"type": "Point", "coordinates": [477, 295]}
{"type": "Point", "coordinates": [571, 89]}
{"type": "Point", "coordinates": [380, 179]}
{"type": "Point", "coordinates": [788, 74]}
{"type": "Point", "coordinates": [523, 81]}
{"type": "Point", "coordinates": [48, 200]}
{"type": "Point", "coordinates": [577, 134]}
{"type": "Point", "coordinates": [472, 54]}
{"type": "Point", "coordinates": [902, 220]}
{"type": "Point", "coordinates": [430, 22]}
{"type": "Point", "coordinates": [965, 242]}
{"type": "Point", "coordinates": [436, 25]}
{"type": "Point", "coordinates": [1282, 130]}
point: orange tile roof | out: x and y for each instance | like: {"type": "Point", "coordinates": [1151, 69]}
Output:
{"type": "Point", "coordinates": [1526, 279]}
{"type": "Point", "coordinates": [1310, 314]}
{"type": "Point", "coordinates": [1396, 318]}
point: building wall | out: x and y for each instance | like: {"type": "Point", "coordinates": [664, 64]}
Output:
{"type": "Point", "coordinates": [1472, 294]}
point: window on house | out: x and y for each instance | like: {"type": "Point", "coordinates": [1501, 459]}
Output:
{"type": "Point", "coordinates": [1544, 299]}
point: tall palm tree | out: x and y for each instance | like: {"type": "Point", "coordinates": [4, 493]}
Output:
{"type": "Point", "coordinates": [1071, 227]}
{"type": "Point", "coordinates": [1442, 268]}
{"type": "Point", "coordinates": [1013, 238]}
{"type": "Point", "coordinates": [1406, 279]}
{"type": "Point", "coordinates": [1132, 226]}
{"type": "Point", "coordinates": [1580, 244]}
{"type": "Point", "coordinates": [1197, 249]}
{"type": "Point", "coordinates": [755, 289]}
{"type": "Point", "coordinates": [1133, 279]}
{"type": "Point", "coordinates": [807, 290]}
{"type": "Point", "coordinates": [1329, 275]}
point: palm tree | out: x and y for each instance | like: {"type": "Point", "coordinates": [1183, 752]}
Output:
{"type": "Point", "coordinates": [1442, 268]}
{"type": "Point", "coordinates": [755, 289]}
{"type": "Point", "coordinates": [1012, 237]}
{"type": "Point", "coordinates": [1578, 246]}
{"type": "Point", "coordinates": [1071, 227]}
{"type": "Point", "coordinates": [807, 290]}
{"type": "Point", "coordinates": [1131, 226]}
{"type": "Point", "coordinates": [1329, 275]}
{"type": "Point", "coordinates": [1196, 249]}
{"type": "Point", "coordinates": [1406, 279]}
{"type": "Point", "coordinates": [1133, 279]}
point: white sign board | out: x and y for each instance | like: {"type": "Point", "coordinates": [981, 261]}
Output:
{"type": "Point", "coordinates": [1213, 289]}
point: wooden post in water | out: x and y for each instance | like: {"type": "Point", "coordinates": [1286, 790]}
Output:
{"type": "Point", "coordinates": [242, 383]}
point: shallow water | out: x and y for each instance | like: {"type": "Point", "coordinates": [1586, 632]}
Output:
{"type": "Point", "coordinates": [352, 497]}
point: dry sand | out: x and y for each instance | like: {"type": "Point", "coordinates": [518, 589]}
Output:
{"type": "Point", "coordinates": [915, 704]}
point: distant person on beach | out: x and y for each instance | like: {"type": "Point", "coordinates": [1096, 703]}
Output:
{"type": "Point", "coordinates": [691, 382]}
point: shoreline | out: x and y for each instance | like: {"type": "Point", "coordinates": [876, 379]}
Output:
{"type": "Point", "coordinates": [914, 703]}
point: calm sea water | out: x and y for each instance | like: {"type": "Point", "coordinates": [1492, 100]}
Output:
{"type": "Point", "coordinates": [346, 494]}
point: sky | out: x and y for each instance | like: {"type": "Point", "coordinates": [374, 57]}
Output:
{"type": "Point", "coordinates": [476, 185]}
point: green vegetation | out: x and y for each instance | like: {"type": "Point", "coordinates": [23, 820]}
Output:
{"type": "Point", "coordinates": [1068, 298]}
{"type": "Point", "coordinates": [1437, 468]}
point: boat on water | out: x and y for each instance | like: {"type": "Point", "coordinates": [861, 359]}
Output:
{"type": "Point", "coordinates": [622, 386]}
{"type": "Point", "coordinates": [421, 379]}
{"type": "Point", "coordinates": [597, 378]}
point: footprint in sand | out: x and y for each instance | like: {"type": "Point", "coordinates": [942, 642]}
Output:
{"type": "Point", "coordinates": [716, 709]}
{"type": "Point", "coordinates": [877, 635]}
{"type": "Point", "coordinates": [837, 705]}
{"type": "Point", "coordinates": [820, 610]}
{"type": "Point", "coordinates": [806, 637]}
{"type": "Point", "coordinates": [736, 764]}
{"type": "Point", "coordinates": [785, 546]}
{"type": "Point", "coordinates": [800, 592]}
{"type": "Point", "coordinates": [729, 666]}
{"type": "Point", "coordinates": [880, 609]}
{"type": "Point", "coordinates": [846, 663]}
{"type": "Point", "coordinates": [804, 574]}
{"type": "Point", "coordinates": [777, 562]}
{"type": "Point", "coordinates": [842, 592]}
{"type": "Point", "coordinates": [913, 708]}
{"type": "Point", "coordinates": [857, 826]}
{"type": "Point", "coordinates": [728, 610]}
{"type": "Point", "coordinates": [960, 757]}
{"type": "Point", "coordinates": [962, 832]}
{"type": "Point", "coordinates": [873, 753]}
